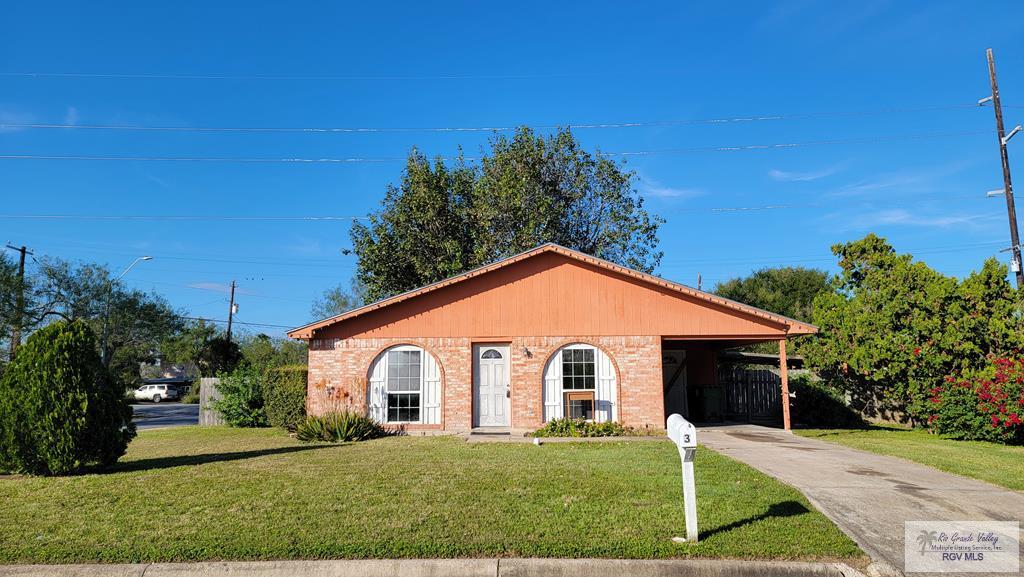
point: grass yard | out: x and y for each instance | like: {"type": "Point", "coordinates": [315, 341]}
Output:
{"type": "Point", "coordinates": [992, 462]}
{"type": "Point", "coordinates": [217, 493]}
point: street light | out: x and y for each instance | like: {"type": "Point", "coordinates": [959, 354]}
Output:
{"type": "Point", "coordinates": [106, 309]}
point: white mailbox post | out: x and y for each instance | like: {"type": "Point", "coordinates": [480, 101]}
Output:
{"type": "Point", "coordinates": [684, 435]}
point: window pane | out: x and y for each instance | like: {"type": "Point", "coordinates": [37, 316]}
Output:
{"type": "Point", "coordinates": [588, 355]}
{"type": "Point", "coordinates": [403, 372]}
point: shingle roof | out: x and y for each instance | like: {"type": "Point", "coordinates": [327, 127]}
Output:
{"type": "Point", "coordinates": [793, 326]}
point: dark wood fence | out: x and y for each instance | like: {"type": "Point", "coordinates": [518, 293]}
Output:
{"type": "Point", "coordinates": [752, 395]}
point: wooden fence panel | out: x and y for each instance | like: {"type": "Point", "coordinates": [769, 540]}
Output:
{"type": "Point", "coordinates": [208, 393]}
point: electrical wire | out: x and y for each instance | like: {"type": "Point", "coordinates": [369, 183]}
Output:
{"type": "Point", "coordinates": [358, 160]}
{"type": "Point", "coordinates": [492, 128]}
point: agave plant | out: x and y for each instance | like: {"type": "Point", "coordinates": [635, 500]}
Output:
{"type": "Point", "coordinates": [339, 427]}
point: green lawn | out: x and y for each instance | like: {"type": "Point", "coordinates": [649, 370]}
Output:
{"type": "Point", "coordinates": [217, 493]}
{"type": "Point", "coordinates": [997, 464]}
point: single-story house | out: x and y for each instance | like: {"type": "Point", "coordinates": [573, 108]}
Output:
{"type": "Point", "coordinates": [547, 333]}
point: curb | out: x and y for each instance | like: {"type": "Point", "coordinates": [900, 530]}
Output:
{"type": "Point", "coordinates": [445, 568]}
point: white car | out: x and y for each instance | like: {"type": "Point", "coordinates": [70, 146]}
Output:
{"type": "Point", "coordinates": [156, 393]}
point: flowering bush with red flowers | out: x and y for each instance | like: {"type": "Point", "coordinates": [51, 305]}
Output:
{"type": "Point", "coordinates": [985, 406]}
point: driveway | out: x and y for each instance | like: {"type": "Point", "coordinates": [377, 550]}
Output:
{"type": "Point", "coordinates": [151, 415]}
{"type": "Point", "coordinates": [868, 496]}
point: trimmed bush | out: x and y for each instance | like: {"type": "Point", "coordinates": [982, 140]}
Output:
{"type": "Point", "coordinates": [59, 410]}
{"type": "Point", "coordinates": [284, 396]}
{"type": "Point", "coordinates": [581, 428]}
{"type": "Point", "coordinates": [339, 427]}
{"type": "Point", "coordinates": [241, 403]}
{"type": "Point", "coordinates": [818, 405]}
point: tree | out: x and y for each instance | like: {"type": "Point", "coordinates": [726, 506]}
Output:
{"type": "Point", "coordinates": [892, 329]}
{"type": "Point", "coordinates": [268, 352]}
{"type": "Point", "coordinates": [338, 300]}
{"type": "Point", "coordinates": [59, 411]}
{"type": "Point", "coordinates": [445, 219]}
{"type": "Point", "coordinates": [788, 291]}
{"type": "Point", "coordinates": [201, 344]}
{"type": "Point", "coordinates": [138, 322]}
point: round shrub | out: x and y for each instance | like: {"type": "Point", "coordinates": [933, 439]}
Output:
{"type": "Point", "coordinates": [339, 427]}
{"type": "Point", "coordinates": [284, 396]}
{"type": "Point", "coordinates": [59, 410]}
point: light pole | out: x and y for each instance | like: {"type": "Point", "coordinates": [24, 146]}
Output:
{"type": "Point", "coordinates": [104, 357]}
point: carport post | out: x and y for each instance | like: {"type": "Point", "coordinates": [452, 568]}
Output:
{"type": "Point", "coordinates": [784, 378]}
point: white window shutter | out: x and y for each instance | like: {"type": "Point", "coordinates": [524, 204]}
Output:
{"type": "Point", "coordinates": [607, 389]}
{"type": "Point", "coordinates": [430, 400]}
{"type": "Point", "coordinates": [553, 388]}
{"type": "Point", "coordinates": [376, 398]}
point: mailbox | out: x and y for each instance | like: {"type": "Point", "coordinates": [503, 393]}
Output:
{"type": "Point", "coordinates": [684, 435]}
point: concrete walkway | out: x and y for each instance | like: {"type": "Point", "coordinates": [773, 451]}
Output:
{"type": "Point", "coordinates": [868, 496]}
{"type": "Point", "coordinates": [445, 568]}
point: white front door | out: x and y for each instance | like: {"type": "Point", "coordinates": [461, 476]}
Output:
{"type": "Point", "coordinates": [491, 385]}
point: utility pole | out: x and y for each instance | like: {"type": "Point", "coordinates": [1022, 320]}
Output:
{"type": "Point", "coordinates": [19, 307]}
{"type": "Point", "coordinates": [1011, 209]}
{"type": "Point", "coordinates": [231, 309]}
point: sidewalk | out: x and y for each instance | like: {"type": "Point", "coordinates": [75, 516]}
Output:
{"type": "Point", "coordinates": [445, 568]}
{"type": "Point", "coordinates": [868, 496]}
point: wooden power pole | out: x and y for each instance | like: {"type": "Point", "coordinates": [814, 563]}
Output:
{"type": "Point", "coordinates": [1011, 210]}
{"type": "Point", "coordinates": [231, 310]}
{"type": "Point", "coordinates": [19, 307]}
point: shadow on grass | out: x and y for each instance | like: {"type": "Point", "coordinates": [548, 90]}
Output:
{"type": "Point", "coordinates": [783, 509]}
{"type": "Point", "coordinates": [202, 459]}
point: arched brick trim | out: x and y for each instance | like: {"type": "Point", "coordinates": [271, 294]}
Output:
{"type": "Point", "coordinates": [582, 341]}
{"type": "Point", "coordinates": [408, 343]}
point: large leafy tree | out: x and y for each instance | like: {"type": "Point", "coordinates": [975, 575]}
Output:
{"type": "Point", "coordinates": [788, 291]}
{"type": "Point", "coordinates": [338, 300]}
{"type": "Point", "coordinates": [201, 344]}
{"type": "Point", "coordinates": [444, 219]}
{"type": "Point", "coordinates": [893, 328]}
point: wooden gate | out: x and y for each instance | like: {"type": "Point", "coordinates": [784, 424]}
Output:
{"type": "Point", "coordinates": [751, 395]}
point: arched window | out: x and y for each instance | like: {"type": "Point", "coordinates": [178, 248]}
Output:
{"type": "Point", "coordinates": [490, 354]}
{"type": "Point", "coordinates": [405, 386]}
{"type": "Point", "coordinates": [580, 382]}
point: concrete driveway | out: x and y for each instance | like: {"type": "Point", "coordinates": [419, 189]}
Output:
{"type": "Point", "coordinates": [868, 496]}
{"type": "Point", "coordinates": [165, 414]}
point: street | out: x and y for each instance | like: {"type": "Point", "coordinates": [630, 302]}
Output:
{"type": "Point", "coordinates": [166, 414]}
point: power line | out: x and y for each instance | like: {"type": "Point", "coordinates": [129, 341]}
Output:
{"type": "Point", "coordinates": [494, 128]}
{"type": "Point", "coordinates": [330, 77]}
{"type": "Point", "coordinates": [359, 160]}
{"type": "Point", "coordinates": [174, 217]}
{"type": "Point", "coordinates": [235, 322]}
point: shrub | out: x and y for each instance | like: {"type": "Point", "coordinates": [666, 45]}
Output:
{"type": "Point", "coordinates": [285, 396]}
{"type": "Point", "coordinates": [59, 410]}
{"type": "Point", "coordinates": [241, 403]}
{"type": "Point", "coordinates": [817, 405]}
{"type": "Point", "coordinates": [339, 427]}
{"type": "Point", "coordinates": [985, 405]}
{"type": "Point", "coordinates": [580, 428]}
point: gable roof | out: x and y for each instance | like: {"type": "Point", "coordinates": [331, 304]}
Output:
{"type": "Point", "coordinates": [793, 326]}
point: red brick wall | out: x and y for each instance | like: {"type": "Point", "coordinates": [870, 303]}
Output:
{"type": "Point", "coordinates": [338, 376]}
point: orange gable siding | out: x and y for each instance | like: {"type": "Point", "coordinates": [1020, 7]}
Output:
{"type": "Point", "coordinates": [551, 294]}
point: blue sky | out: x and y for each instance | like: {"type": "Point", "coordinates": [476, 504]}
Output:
{"type": "Point", "coordinates": [860, 76]}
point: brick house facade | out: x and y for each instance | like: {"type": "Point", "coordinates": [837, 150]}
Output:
{"type": "Point", "coordinates": [547, 333]}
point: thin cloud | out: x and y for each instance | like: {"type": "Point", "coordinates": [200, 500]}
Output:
{"type": "Point", "coordinates": [8, 116]}
{"type": "Point", "coordinates": [902, 217]}
{"type": "Point", "coordinates": [793, 176]}
{"type": "Point", "coordinates": [654, 188]}
{"type": "Point", "coordinates": [71, 116]}
{"type": "Point", "coordinates": [912, 180]}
